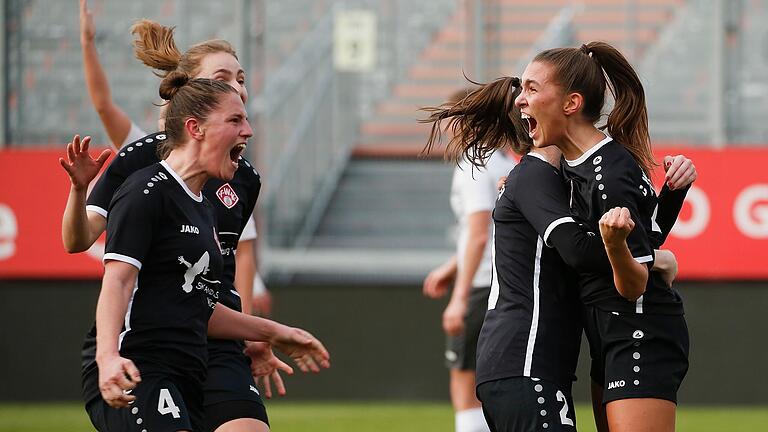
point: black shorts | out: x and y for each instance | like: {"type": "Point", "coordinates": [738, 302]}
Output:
{"type": "Point", "coordinates": [524, 404]}
{"type": "Point", "coordinates": [230, 391]}
{"type": "Point", "coordinates": [637, 355]}
{"type": "Point", "coordinates": [163, 403]}
{"type": "Point", "coordinates": [461, 350]}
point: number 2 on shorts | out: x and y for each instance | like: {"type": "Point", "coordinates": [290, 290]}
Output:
{"type": "Point", "coordinates": [165, 404]}
{"type": "Point", "coordinates": [564, 412]}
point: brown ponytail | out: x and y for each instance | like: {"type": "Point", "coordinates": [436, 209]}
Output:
{"type": "Point", "coordinates": [155, 47]}
{"type": "Point", "coordinates": [591, 70]}
{"type": "Point", "coordinates": [481, 122]}
{"type": "Point", "coordinates": [628, 120]}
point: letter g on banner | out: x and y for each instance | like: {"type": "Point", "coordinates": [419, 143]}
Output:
{"type": "Point", "coordinates": [750, 214]}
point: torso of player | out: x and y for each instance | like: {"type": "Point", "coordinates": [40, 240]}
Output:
{"type": "Point", "coordinates": [608, 176]}
{"type": "Point", "coordinates": [474, 189]}
{"type": "Point", "coordinates": [180, 276]}
{"type": "Point", "coordinates": [532, 327]}
{"type": "Point", "coordinates": [232, 201]}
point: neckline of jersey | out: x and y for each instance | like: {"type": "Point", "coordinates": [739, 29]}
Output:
{"type": "Point", "coordinates": [537, 156]}
{"type": "Point", "coordinates": [589, 152]}
{"type": "Point", "coordinates": [198, 198]}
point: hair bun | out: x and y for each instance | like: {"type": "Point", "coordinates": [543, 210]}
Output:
{"type": "Point", "coordinates": [515, 81]}
{"type": "Point", "coordinates": [172, 83]}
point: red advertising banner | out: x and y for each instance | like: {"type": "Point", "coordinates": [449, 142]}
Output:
{"type": "Point", "coordinates": [722, 232]}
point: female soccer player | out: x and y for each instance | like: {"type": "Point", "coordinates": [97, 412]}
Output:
{"type": "Point", "coordinates": [231, 399]}
{"type": "Point", "coordinates": [473, 195]}
{"type": "Point", "coordinates": [529, 342]}
{"type": "Point", "coordinates": [163, 268]}
{"type": "Point", "coordinates": [635, 325]}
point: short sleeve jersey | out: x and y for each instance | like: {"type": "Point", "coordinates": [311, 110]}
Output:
{"type": "Point", "coordinates": [474, 190]}
{"type": "Point", "coordinates": [533, 326]}
{"type": "Point", "coordinates": [605, 177]}
{"type": "Point", "coordinates": [232, 201]}
{"type": "Point", "coordinates": [169, 233]}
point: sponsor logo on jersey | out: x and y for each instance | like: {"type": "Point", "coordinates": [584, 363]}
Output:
{"type": "Point", "coordinates": [189, 229]}
{"type": "Point", "coordinates": [616, 384]}
{"type": "Point", "coordinates": [227, 195]}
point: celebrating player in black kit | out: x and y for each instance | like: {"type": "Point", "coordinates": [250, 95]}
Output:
{"type": "Point", "coordinates": [230, 396]}
{"type": "Point", "coordinates": [530, 339]}
{"type": "Point", "coordinates": [162, 238]}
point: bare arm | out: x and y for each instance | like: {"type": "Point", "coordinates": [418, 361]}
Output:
{"type": "Point", "coordinates": [306, 350]}
{"type": "Point", "coordinates": [453, 316]}
{"type": "Point", "coordinates": [79, 228]}
{"type": "Point", "coordinates": [116, 290]}
{"type": "Point", "coordinates": [629, 276]}
{"type": "Point", "coordinates": [114, 119]}
{"type": "Point", "coordinates": [245, 269]}
{"type": "Point", "coordinates": [666, 264]}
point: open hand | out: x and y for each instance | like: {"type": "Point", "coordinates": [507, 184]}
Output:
{"type": "Point", "coordinates": [303, 348]}
{"type": "Point", "coordinates": [82, 169]}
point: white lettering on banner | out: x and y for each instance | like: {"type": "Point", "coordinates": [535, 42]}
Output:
{"type": "Point", "coordinates": [700, 214]}
{"type": "Point", "coordinates": [8, 232]}
{"type": "Point", "coordinates": [751, 216]}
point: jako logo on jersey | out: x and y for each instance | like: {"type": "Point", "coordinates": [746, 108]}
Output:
{"type": "Point", "coordinates": [616, 384]}
{"type": "Point", "coordinates": [189, 229]}
{"type": "Point", "coordinates": [638, 334]}
{"type": "Point", "coordinates": [227, 195]}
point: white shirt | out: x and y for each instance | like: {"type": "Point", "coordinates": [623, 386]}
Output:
{"type": "Point", "coordinates": [474, 190]}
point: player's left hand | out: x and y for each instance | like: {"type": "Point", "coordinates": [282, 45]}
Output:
{"type": "Point", "coordinates": [615, 226]}
{"type": "Point", "coordinates": [266, 367]}
{"type": "Point", "coordinates": [306, 350]}
{"type": "Point", "coordinates": [680, 172]}
{"type": "Point", "coordinates": [82, 169]}
{"type": "Point", "coordinates": [453, 317]}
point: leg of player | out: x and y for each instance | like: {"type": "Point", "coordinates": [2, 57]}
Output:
{"type": "Point", "coordinates": [641, 415]}
{"type": "Point", "coordinates": [469, 415]}
{"type": "Point", "coordinates": [598, 408]}
{"type": "Point", "coordinates": [243, 425]}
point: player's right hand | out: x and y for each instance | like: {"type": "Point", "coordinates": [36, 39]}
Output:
{"type": "Point", "coordinates": [117, 377]}
{"type": "Point", "coordinates": [615, 226]}
{"type": "Point", "coordinates": [80, 166]}
{"type": "Point", "coordinates": [87, 28]}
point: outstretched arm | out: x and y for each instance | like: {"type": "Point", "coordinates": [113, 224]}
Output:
{"type": "Point", "coordinates": [114, 119]}
{"type": "Point", "coordinates": [306, 350]}
{"type": "Point", "coordinates": [80, 229]}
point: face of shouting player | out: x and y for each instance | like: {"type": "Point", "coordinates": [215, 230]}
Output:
{"type": "Point", "coordinates": [226, 133]}
{"type": "Point", "coordinates": [541, 103]}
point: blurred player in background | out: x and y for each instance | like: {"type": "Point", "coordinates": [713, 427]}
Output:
{"type": "Point", "coordinates": [473, 195]}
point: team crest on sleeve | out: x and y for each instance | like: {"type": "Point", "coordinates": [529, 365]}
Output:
{"type": "Point", "coordinates": [227, 195]}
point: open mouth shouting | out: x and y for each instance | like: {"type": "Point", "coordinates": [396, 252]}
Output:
{"type": "Point", "coordinates": [236, 152]}
{"type": "Point", "coordinates": [531, 122]}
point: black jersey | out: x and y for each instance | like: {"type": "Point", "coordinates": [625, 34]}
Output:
{"type": "Point", "coordinates": [233, 201]}
{"type": "Point", "coordinates": [533, 326]}
{"type": "Point", "coordinates": [161, 227]}
{"type": "Point", "coordinates": [605, 177]}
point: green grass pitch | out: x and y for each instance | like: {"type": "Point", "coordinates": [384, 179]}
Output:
{"type": "Point", "coordinates": [372, 416]}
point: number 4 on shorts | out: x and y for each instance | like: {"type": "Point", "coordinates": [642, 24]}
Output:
{"type": "Point", "coordinates": [165, 404]}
